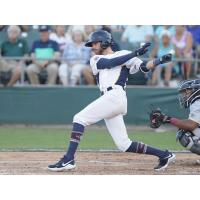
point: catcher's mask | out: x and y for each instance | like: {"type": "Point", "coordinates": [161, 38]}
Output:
{"type": "Point", "coordinates": [100, 36]}
{"type": "Point", "coordinates": [189, 92]}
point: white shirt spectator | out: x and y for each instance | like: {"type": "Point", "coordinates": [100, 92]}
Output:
{"type": "Point", "coordinates": [135, 34]}
{"type": "Point", "coordinates": [62, 41]}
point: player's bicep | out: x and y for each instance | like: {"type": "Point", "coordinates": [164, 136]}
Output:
{"type": "Point", "coordinates": [195, 112]}
{"type": "Point", "coordinates": [195, 116]}
{"type": "Point", "coordinates": [93, 64]}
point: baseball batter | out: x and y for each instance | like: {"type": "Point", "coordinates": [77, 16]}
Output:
{"type": "Point", "coordinates": [188, 134]}
{"type": "Point", "coordinates": [111, 70]}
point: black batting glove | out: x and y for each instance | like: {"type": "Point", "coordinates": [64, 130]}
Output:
{"type": "Point", "coordinates": [142, 50]}
{"type": "Point", "coordinates": [164, 59]}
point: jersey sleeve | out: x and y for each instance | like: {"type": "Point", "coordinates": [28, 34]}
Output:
{"type": "Point", "coordinates": [195, 112]}
{"type": "Point", "coordinates": [134, 65]}
{"type": "Point", "coordinates": [93, 64]}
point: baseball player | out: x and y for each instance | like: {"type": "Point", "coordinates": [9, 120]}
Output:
{"type": "Point", "coordinates": [111, 70]}
{"type": "Point", "coordinates": [188, 134]}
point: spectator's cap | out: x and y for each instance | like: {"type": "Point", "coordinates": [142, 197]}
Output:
{"type": "Point", "coordinates": [44, 28]}
{"type": "Point", "coordinates": [165, 33]}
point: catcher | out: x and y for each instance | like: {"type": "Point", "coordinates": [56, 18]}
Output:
{"type": "Point", "coordinates": [188, 134]}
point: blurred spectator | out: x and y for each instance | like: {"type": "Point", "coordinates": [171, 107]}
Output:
{"type": "Point", "coordinates": [183, 41]}
{"type": "Point", "coordinates": [60, 37]}
{"type": "Point", "coordinates": [88, 29]}
{"type": "Point", "coordinates": [117, 28]}
{"type": "Point", "coordinates": [115, 45]}
{"type": "Point", "coordinates": [44, 53]}
{"type": "Point", "coordinates": [195, 31]}
{"type": "Point", "coordinates": [3, 33]}
{"type": "Point", "coordinates": [165, 46]}
{"type": "Point", "coordinates": [74, 28]}
{"type": "Point", "coordinates": [76, 57]}
{"type": "Point", "coordinates": [29, 33]}
{"type": "Point", "coordinates": [137, 34]}
{"type": "Point", "coordinates": [13, 47]}
{"type": "Point", "coordinates": [160, 29]}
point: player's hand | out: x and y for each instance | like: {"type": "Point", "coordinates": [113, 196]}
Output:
{"type": "Point", "coordinates": [142, 50]}
{"type": "Point", "coordinates": [166, 58]}
{"type": "Point", "coordinates": [157, 118]}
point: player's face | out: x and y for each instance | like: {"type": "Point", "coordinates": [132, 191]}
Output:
{"type": "Point", "coordinates": [96, 48]}
{"type": "Point", "coordinates": [187, 93]}
{"type": "Point", "coordinates": [183, 97]}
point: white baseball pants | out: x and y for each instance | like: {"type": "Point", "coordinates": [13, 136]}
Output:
{"type": "Point", "coordinates": [111, 107]}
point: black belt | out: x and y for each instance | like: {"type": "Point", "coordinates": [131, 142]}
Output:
{"type": "Point", "coordinates": [110, 88]}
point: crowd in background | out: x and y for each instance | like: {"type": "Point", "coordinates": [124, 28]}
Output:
{"type": "Point", "coordinates": [56, 55]}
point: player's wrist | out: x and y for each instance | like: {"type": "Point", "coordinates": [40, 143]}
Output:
{"type": "Point", "coordinates": [143, 67]}
{"type": "Point", "coordinates": [174, 121]}
{"type": "Point", "coordinates": [157, 61]}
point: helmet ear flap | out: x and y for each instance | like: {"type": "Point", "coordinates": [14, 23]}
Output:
{"type": "Point", "coordinates": [105, 44]}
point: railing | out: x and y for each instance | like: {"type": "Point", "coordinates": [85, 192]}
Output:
{"type": "Point", "coordinates": [195, 62]}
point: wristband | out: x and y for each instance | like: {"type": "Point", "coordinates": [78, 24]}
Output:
{"type": "Point", "coordinates": [156, 62]}
{"type": "Point", "coordinates": [143, 67]}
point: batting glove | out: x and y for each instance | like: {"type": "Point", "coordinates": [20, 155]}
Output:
{"type": "Point", "coordinates": [164, 59]}
{"type": "Point", "coordinates": [142, 50]}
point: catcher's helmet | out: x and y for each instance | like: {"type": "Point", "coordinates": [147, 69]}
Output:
{"type": "Point", "coordinates": [189, 92]}
{"type": "Point", "coordinates": [100, 36]}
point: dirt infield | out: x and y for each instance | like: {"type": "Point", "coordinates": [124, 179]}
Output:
{"type": "Point", "coordinates": [115, 163]}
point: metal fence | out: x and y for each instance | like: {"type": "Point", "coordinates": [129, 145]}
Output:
{"type": "Point", "coordinates": [194, 60]}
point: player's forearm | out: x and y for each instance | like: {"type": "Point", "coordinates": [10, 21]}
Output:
{"type": "Point", "coordinates": [150, 65]}
{"type": "Point", "coordinates": [153, 63]}
{"type": "Point", "coordinates": [157, 61]}
{"type": "Point", "coordinates": [105, 63]}
{"type": "Point", "coordinates": [147, 66]}
{"type": "Point", "coordinates": [188, 125]}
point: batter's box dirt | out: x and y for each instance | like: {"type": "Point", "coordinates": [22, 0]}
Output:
{"type": "Point", "coordinates": [95, 163]}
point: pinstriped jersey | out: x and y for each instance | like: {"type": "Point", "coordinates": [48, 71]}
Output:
{"type": "Point", "coordinates": [117, 75]}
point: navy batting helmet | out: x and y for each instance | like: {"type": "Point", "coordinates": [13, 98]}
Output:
{"type": "Point", "coordinates": [100, 36]}
{"type": "Point", "coordinates": [189, 92]}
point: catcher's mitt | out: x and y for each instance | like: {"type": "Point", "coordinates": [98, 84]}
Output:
{"type": "Point", "coordinates": [157, 118]}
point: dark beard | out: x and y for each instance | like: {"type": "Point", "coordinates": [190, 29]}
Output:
{"type": "Point", "coordinates": [101, 51]}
